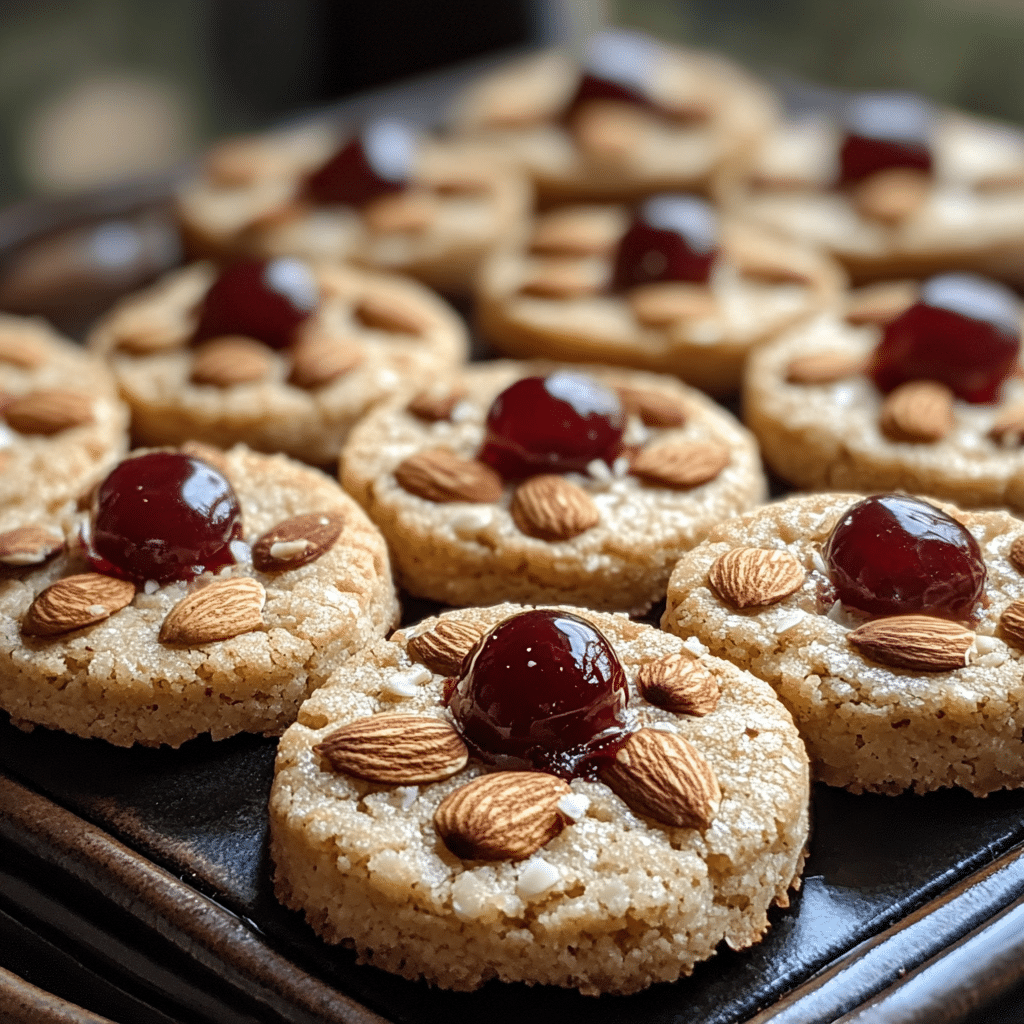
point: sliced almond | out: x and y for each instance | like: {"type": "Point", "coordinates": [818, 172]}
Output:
{"type": "Point", "coordinates": [29, 545]}
{"type": "Point", "coordinates": [75, 602]}
{"type": "Point", "coordinates": [1016, 554]}
{"type": "Point", "coordinates": [668, 302]}
{"type": "Point", "coordinates": [22, 349]}
{"type": "Point", "coordinates": [920, 411]}
{"type": "Point", "coordinates": [406, 211]}
{"type": "Point", "coordinates": [49, 412]}
{"type": "Point", "coordinates": [572, 232]}
{"type": "Point", "coordinates": [436, 406]}
{"type": "Point", "coordinates": [1008, 428]}
{"type": "Point", "coordinates": [297, 541]}
{"type": "Point", "coordinates": [681, 463]}
{"type": "Point", "coordinates": [444, 648]}
{"type": "Point", "coordinates": [823, 367]}
{"type": "Point", "coordinates": [881, 303]}
{"type": "Point", "coordinates": [607, 131]}
{"type": "Point", "coordinates": [678, 683]}
{"type": "Point", "coordinates": [438, 474]}
{"type": "Point", "coordinates": [661, 775]}
{"type": "Point", "coordinates": [922, 643]}
{"type": "Point", "coordinates": [319, 359]}
{"type": "Point", "coordinates": [549, 507]}
{"type": "Point", "coordinates": [225, 362]}
{"type": "Point", "coordinates": [655, 408]}
{"type": "Point", "coordinates": [560, 279]}
{"type": "Point", "coordinates": [502, 816]}
{"type": "Point", "coordinates": [751, 577]}
{"type": "Point", "coordinates": [385, 312]}
{"type": "Point", "coordinates": [218, 611]}
{"type": "Point", "coordinates": [1011, 623]}
{"type": "Point", "coordinates": [400, 750]}
{"type": "Point", "coordinates": [892, 195]}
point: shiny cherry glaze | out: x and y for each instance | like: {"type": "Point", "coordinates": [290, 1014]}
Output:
{"type": "Point", "coordinates": [885, 130]}
{"type": "Point", "coordinates": [543, 689]}
{"type": "Point", "coordinates": [261, 299]}
{"type": "Point", "coordinates": [554, 424]}
{"type": "Point", "coordinates": [377, 161]}
{"type": "Point", "coordinates": [616, 67]}
{"type": "Point", "coordinates": [896, 555]}
{"type": "Point", "coordinates": [163, 516]}
{"type": "Point", "coordinates": [671, 238]}
{"type": "Point", "coordinates": [963, 331]}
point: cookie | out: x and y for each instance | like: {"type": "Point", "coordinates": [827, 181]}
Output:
{"type": "Point", "coordinates": [635, 117]}
{"type": "Point", "coordinates": [924, 689]}
{"type": "Point", "coordinates": [383, 198]}
{"type": "Point", "coordinates": [582, 285]}
{"type": "Point", "coordinates": [599, 517]}
{"type": "Point", "coordinates": [296, 580]}
{"type": "Point", "coordinates": [288, 368]}
{"type": "Point", "coordinates": [583, 883]}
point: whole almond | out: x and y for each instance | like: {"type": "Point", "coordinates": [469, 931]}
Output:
{"type": "Point", "coordinates": [388, 313]}
{"type": "Point", "coordinates": [297, 541]}
{"type": "Point", "coordinates": [453, 181]}
{"type": "Point", "coordinates": [920, 411]}
{"type": "Point", "coordinates": [218, 611]}
{"type": "Point", "coordinates": [142, 332]}
{"type": "Point", "coordinates": [398, 749]}
{"type": "Point", "coordinates": [443, 648]}
{"type": "Point", "coordinates": [572, 232]}
{"type": "Point", "coordinates": [661, 775]}
{"type": "Point", "coordinates": [29, 545]}
{"type": "Point", "coordinates": [1011, 623]}
{"type": "Point", "coordinates": [919, 642]}
{"type": "Point", "coordinates": [608, 131]}
{"type": "Point", "coordinates": [1016, 553]}
{"type": "Point", "coordinates": [438, 474]}
{"type": "Point", "coordinates": [679, 683]}
{"type": "Point", "coordinates": [681, 463]}
{"type": "Point", "coordinates": [49, 412]}
{"type": "Point", "coordinates": [239, 161]}
{"type": "Point", "coordinates": [225, 362]}
{"type": "Point", "coordinates": [881, 303]}
{"type": "Point", "coordinates": [549, 507]}
{"type": "Point", "coordinates": [406, 211]}
{"type": "Point", "coordinates": [823, 367]}
{"type": "Point", "coordinates": [436, 406]}
{"type": "Point", "coordinates": [751, 577]}
{"type": "Point", "coordinates": [1008, 428]}
{"type": "Point", "coordinates": [75, 602]}
{"type": "Point", "coordinates": [768, 258]}
{"type": "Point", "coordinates": [655, 408]}
{"type": "Point", "coordinates": [502, 816]}
{"type": "Point", "coordinates": [19, 348]}
{"type": "Point", "coordinates": [560, 279]}
{"type": "Point", "coordinates": [667, 302]}
{"type": "Point", "coordinates": [318, 359]}
{"type": "Point", "coordinates": [892, 195]}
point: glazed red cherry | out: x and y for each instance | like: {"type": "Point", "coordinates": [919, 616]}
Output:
{"type": "Point", "coordinates": [616, 67]}
{"type": "Point", "coordinates": [261, 299]}
{"type": "Point", "coordinates": [554, 424]}
{"type": "Point", "coordinates": [671, 238]}
{"type": "Point", "coordinates": [377, 161]}
{"type": "Point", "coordinates": [543, 689]}
{"type": "Point", "coordinates": [883, 131]}
{"type": "Point", "coordinates": [896, 555]}
{"type": "Point", "coordinates": [163, 516]}
{"type": "Point", "coordinates": [963, 331]}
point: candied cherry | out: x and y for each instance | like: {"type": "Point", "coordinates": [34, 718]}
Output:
{"type": "Point", "coordinates": [262, 299]}
{"type": "Point", "coordinates": [896, 555]}
{"type": "Point", "coordinates": [883, 131]}
{"type": "Point", "coordinates": [554, 424]}
{"type": "Point", "coordinates": [616, 67]}
{"type": "Point", "coordinates": [163, 516]}
{"type": "Point", "coordinates": [377, 161]}
{"type": "Point", "coordinates": [963, 331]}
{"type": "Point", "coordinates": [671, 238]}
{"type": "Point", "coordinates": [543, 689]}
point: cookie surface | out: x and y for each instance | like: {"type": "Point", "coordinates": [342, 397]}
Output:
{"type": "Point", "coordinates": [613, 903]}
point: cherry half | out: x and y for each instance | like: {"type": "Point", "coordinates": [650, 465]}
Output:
{"type": "Point", "coordinates": [543, 689]}
{"type": "Point", "coordinates": [261, 299]}
{"type": "Point", "coordinates": [617, 66]}
{"type": "Point", "coordinates": [163, 516]}
{"type": "Point", "coordinates": [963, 331]}
{"type": "Point", "coordinates": [554, 424]}
{"type": "Point", "coordinates": [671, 238]}
{"type": "Point", "coordinates": [885, 130]}
{"type": "Point", "coordinates": [896, 555]}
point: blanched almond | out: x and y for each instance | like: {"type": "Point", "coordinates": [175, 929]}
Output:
{"type": "Point", "coordinates": [666, 302]}
{"type": "Point", "coordinates": [881, 303]}
{"type": "Point", "coordinates": [438, 474]}
{"type": "Point", "coordinates": [406, 211]}
{"type": "Point", "coordinates": [750, 577]}
{"type": "Point", "coordinates": [560, 279]}
{"type": "Point", "coordinates": [218, 611]}
{"type": "Point", "coordinates": [29, 545]}
{"type": "Point", "coordinates": [680, 464]}
{"type": "Point", "coordinates": [679, 683]}
{"type": "Point", "coordinates": [48, 412]}
{"type": "Point", "coordinates": [396, 315]}
{"type": "Point", "coordinates": [443, 648]}
{"type": "Point", "coordinates": [549, 507]}
{"type": "Point", "coordinates": [225, 362]}
{"type": "Point", "coordinates": [572, 232]}
{"type": "Point", "coordinates": [297, 541]}
{"type": "Point", "coordinates": [823, 367]}
{"type": "Point", "coordinates": [922, 643]}
{"type": "Point", "coordinates": [919, 411]}
{"type": "Point", "coordinates": [75, 602]}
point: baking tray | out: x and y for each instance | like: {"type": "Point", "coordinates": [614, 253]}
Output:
{"type": "Point", "coordinates": [135, 884]}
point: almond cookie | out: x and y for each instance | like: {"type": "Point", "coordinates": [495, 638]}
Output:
{"type": "Point", "coordinates": [61, 422]}
{"type": "Point", "coordinates": [891, 628]}
{"type": "Point", "coordinates": [383, 197]}
{"type": "Point", "coordinates": [665, 287]}
{"type": "Point", "coordinates": [912, 385]}
{"type": "Point", "coordinates": [280, 355]}
{"type": "Point", "coordinates": [395, 831]}
{"type": "Point", "coordinates": [203, 593]}
{"type": "Point", "coordinates": [529, 482]}
{"type": "Point", "coordinates": [636, 116]}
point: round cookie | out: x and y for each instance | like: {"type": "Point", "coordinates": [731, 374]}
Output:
{"type": "Point", "coordinates": [61, 422]}
{"type": "Point", "coordinates": [547, 294]}
{"type": "Point", "coordinates": [615, 902]}
{"type": "Point", "coordinates": [869, 724]}
{"type": "Point", "coordinates": [368, 336]}
{"type": "Point", "coordinates": [606, 538]}
{"type": "Point", "coordinates": [232, 651]}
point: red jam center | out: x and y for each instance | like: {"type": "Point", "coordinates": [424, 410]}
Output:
{"type": "Point", "coordinates": [671, 238]}
{"type": "Point", "coordinates": [554, 424]}
{"type": "Point", "coordinates": [377, 161]}
{"type": "Point", "coordinates": [895, 555]}
{"type": "Point", "coordinates": [616, 67]}
{"type": "Point", "coordinates": [964, 331]}
{"type": "Point", "coordinates": [885, 130]}
{"type": "Point", "coordinates": [543, 689]}
{"type": "Point", "coordinates": [163, 516]}
{"type": "Point", "coordinates": [261, 299]}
